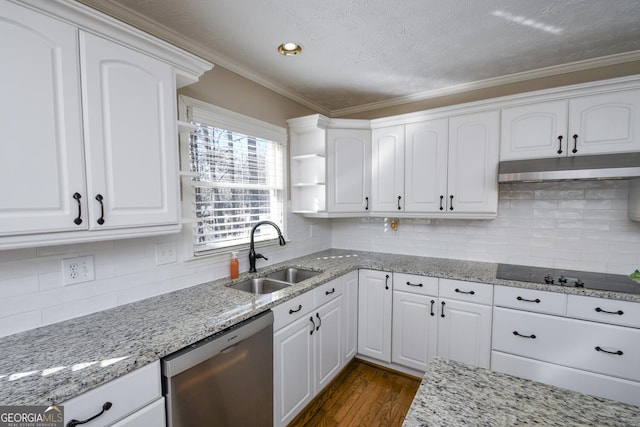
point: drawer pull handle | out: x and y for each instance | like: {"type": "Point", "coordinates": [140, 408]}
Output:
{"type": "Point", "coordinates": [465, 292]}
{"type": "Point", "coordinates": [105, 407]}
{"type": "Point", "coordinates": [78, 219]}
{"type": "Point", "coordinates": [532, 336]}
{"type": "Point", "coordinates": [291, 310]}
{"type": "Point", "coordinates": [313, 328]}
{"type": "Point", "coordinates": [559, 144]}
{"type": "Point", "coordinates": [386, 281]}
{"type": "Point", "coordinates": [100, 200]}
{"type": "Point", "coordinates": [330, 292]}
{"type": "Point", "coordinates": [537, 300]}
{"type": "Point", "coordinates": [366, 207]}
{"type": "Point", "coordinates": [619, 312]}
{"type": "Point", "coordinates": [432, 302]}
{"type": "Point", "coordinates": [399, 207]}
{"type": "Point", "coordinates": [619, 352]}
{"type": "Point", "coordinates": [575, 144]}
{"type": "Point", "coordinates": [442, 309]}
{"type": "Point", "coordinates": [414, 284]}
{"type": "Point", "coordinates": [319, 321]}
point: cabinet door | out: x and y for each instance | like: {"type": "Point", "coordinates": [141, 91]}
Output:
{"type": "Point", "coordinates": [41, 162]}
{"type": "Point", "coordinates": [375, 290]}
{"type": "Point", "coordinates": [414, 330]}
{"type": "Point", "coordinates": [328, 342]}
{"type": "Point", "coordinates": [464, 332]}
{"type": "Point", "coordinates": [534, 131]}
{"type": "Point", "coordinates": [350, 304]}
{"type": "Point", "coordinates": [387, 169]}
{"type": "Point", "coordinates": [130, 135]}
{"type": "Point", "coordinates": [473, 163]}
{"type": "Point", "coordinates": [348, 170]}
{"type": "Point", "coordinates": [606, 123]}
{"type": "Point", "coordinates": [426, 166]}
{"type": "Point", "coordinates": [293, 369]}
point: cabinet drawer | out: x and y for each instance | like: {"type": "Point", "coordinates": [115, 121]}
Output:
{"type": "Point", "coordinates": [292, 310]}
{"type": "Point", "coordinates": [415, 284]}
{"type": "Point", "coordinates": [150, 415]}
{"type": "Point", "coordinates": [561, 376]}
{"type": "Point", "coordinates": [127, 394]}
{"type": "Point", "coordinates": [530, 300]}
{"type": "Point", "coordinates": [596, 347]}
{"type": "Point", "coordinates": [616, 312]}
{"type": "Point", "coordinates": [480, 293]}
{"type": "Point", "coordinates": [328, 291]}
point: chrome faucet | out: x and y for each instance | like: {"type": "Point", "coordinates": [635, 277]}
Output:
{"type": "Point", "coordinates": [252, 251]}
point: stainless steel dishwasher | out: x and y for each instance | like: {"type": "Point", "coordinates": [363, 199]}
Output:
{"type": "Point", "coordinates": [223, 380]}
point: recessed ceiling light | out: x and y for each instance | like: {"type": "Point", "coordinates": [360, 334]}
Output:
{"type": "Point", "coordinates": [289, 49]}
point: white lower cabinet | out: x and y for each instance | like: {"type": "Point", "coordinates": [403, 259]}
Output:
{"type": "Point", "coordinates": [464, 322]}
{"type": "Point", "coordinates": [375, 295]}
{"type": "Point", "coordinates": [308, 351]}
{"type": "Point", "coordinates": [583, 355]}
{"type": "Point", "coordinates": [136, 399]}
{"type": "Point", "coordinates": [350, 304]}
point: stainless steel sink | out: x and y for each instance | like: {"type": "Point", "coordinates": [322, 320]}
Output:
{"type": "Point", "coordinates": [260, 285]}
{"type": "Point", "coordinates": [292, 275]}
{"type": "Point", "coordinates": [274, 281]}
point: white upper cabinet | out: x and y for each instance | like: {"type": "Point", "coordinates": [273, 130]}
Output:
{"type": "Point", "coordinates": [130, 136]}
{"type": "Point", "coordinates": [582, 125]}
{"type": "Point", "coordinates": [89, 132]}
{"type": "Point", "coordinates": [473, 163]}
{"type": "Point", "coordinates": [41, 160]}
{"type": "Point", "coordinates": [426, 153]}
{"type": "Point", "coordinates": [349, 170]}
{"type": "Point", "coordinates": [387, 169]}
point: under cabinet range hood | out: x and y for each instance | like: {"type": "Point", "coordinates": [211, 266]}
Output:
{"type": "Point", "coordinates": [600, 166]}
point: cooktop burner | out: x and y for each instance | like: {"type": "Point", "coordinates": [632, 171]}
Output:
{"type": "Point", "coordinates": [579, 279]}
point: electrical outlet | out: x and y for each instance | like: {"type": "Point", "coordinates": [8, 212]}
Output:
{"type": "Point", "coordinates": [78, 270]}
{"type": "Point", "coordinates": [165, 253]}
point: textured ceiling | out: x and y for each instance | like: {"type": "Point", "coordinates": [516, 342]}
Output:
{"type": "Point", "coordinates": [360, 53]}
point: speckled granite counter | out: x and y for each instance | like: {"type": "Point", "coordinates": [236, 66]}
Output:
{"type": "Point", "coordinates": [453, 394]}
{"type": "Point", "coordinates": [57, 362]}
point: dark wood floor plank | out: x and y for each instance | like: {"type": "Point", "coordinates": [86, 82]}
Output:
{"type": "Point", "coordinates": [363, 394]}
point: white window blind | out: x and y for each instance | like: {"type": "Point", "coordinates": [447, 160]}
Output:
{"type": "Point", "coordinates": [234, 180]}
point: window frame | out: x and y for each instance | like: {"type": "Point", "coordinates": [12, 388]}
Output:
{"type": "Point", "coordinates": [190, 109]}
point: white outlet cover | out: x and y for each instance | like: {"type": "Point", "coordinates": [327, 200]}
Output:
{"type": "Point", "coordinates": [165, 253]}
{"type": "Point", "coordinates": [78, 270]}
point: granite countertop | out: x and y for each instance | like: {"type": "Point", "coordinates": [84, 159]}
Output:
{"type": "Point", "coordinates": [54, 363]}
{"type": "Point", "coordinates": [454, 394]}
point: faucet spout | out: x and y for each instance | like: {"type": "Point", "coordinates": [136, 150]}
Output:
{"type": "Point", "coordinates": [252, 251]}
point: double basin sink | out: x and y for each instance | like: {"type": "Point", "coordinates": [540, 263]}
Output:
{"type": "Point", "coordinates": [274, 281]}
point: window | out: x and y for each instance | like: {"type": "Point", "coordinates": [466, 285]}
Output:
{"type": "Point", "coordinates": [233, 169]}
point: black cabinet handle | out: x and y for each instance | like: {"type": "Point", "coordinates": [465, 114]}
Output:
{"type": "Point", "coordinates": [451, 202]}
{"type": "Point", "coordinates": [465, 292]}
{"type": "Point", "coordinates": [330, 292]}
{"type": "Point", "coordinates": [366, 206]}
{"type": "Point", "coordinates": [414, 284]}
{"type": "Point", "coordinates": [432, 302]}
{"type": "Point", "coordinates": [386, 281]}
{"type": "Point", "coordinates": [442, 309]}
{"type": "Point", "coordinates": [619, 312]}
{"type": "Point", "coordinates": [319, 321]}
{"type": "Point", "coordinates": [537, 300]}
{"type": "Point", "coordinates": [399, 208]}
{"type": "Point", "coordinates": [533, 337]}
{"type": "Point", "coordinates": [313, 328]}
{"type": "Point", "coordinates": [291, 310]}
{"type": "Point", "coordinates": [559, 144]}
{"type": "Point", "coordinates": [78, 220]}
{"type": "Point", "coordinates": [618, 353]}
{"type": "Point", "coordinates": [441, 199]}
{"type": "Point", "coordinates": [105, 407]}
{"type": "Point", "coordinates": [575, 144]}
{"type": "Point", "coordinates": [99, 198]}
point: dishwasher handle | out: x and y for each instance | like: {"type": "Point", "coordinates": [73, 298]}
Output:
{"type": "Point", "coordinates": [225, 340]}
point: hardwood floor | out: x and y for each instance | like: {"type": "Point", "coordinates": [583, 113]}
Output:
{"type": "Point", "coordinates": [362, 395]}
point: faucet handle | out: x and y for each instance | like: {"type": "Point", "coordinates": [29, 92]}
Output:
{"type": "Point", "coordinates": [262, 256]}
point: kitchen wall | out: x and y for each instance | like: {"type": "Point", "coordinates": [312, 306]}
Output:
{"type": "Point", "coordinates": [579, 225]}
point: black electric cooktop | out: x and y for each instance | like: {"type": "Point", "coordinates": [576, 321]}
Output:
{"type": "Point", "coordinates": [579, 279]}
